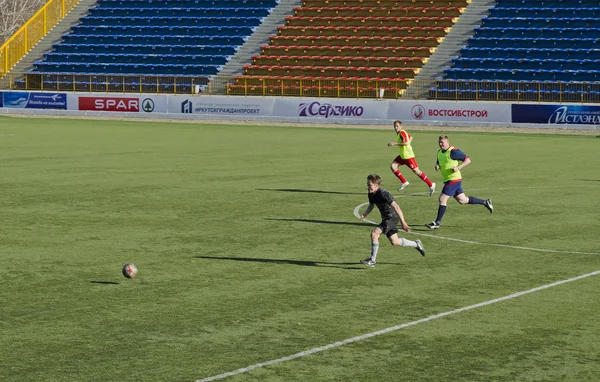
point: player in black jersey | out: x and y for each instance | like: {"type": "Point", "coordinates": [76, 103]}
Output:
{"type": "Point", "coordinates": [391, 214]}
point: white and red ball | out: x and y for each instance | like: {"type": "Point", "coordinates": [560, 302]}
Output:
{"type": "Point", "coordinates": [130, 270]}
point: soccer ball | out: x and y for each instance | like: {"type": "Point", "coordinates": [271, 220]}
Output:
{"type": "Point", "coordinates": [130, 271]}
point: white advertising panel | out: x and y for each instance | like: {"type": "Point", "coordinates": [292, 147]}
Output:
{"type": "Point", "coordinates": [330, 108]}
{"type": "Point", "coordinates": [220, 106]}
{"type": "Point", "coordinates": [473, 112]}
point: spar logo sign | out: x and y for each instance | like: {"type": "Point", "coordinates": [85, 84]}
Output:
{"type": "Point", "coordinates": [148, 105]}
{"type": "Point", "coordinates": [129, 105]}
{"type": "Point", "coordinates": [317, 109]}
{"type": "Point", "coordinates": [418, 112]}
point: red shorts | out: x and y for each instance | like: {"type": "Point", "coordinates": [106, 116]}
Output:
{"type": "Point", "coordinates": [410, 163]}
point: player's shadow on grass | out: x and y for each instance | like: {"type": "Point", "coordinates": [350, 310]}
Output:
{"type": "Point", "coordinates": [304, 263]}
{"type": "Point", "coordinates": [321, 221]}
{"type": "Point", "coordinates": [104, 282]}
{"type": "Point", "coordinates": [310, 191]}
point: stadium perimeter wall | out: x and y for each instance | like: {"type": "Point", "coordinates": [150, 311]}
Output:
{"type": "Point", "coordinates": [305, 110]}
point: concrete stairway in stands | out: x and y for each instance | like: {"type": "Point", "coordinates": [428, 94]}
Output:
{"type": "Point", "coordinates": [53, 36]}
{"type": "Point", "coordinates": [450, 47]}
{"type": "Point", "coordinates": [251, 47]}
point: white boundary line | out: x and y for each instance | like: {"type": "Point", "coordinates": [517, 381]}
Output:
{"type": "Point", "coordinates": [393, 328]}
{"type": "Point", "coordinates": [357, 214]}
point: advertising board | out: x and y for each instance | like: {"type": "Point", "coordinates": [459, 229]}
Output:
{"type": "Point", "coordinates": [28, 100]}
{"type": "Point", "coordinates": [556, 114]}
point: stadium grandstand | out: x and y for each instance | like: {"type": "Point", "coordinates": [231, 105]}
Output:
{"type": "Point", "coordinates": [439, 49]}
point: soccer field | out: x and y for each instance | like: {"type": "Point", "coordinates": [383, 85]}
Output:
{"type": "Point", "coordinates": [248, 253]}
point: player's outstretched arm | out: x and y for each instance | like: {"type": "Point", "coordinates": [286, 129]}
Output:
{"type": "Point", "coordinates": [368, 211]}
{"type": "Point", "coordinates": [396, 207]}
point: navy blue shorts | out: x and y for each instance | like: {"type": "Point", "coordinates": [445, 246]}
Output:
{"type": "Point", "coordinates": [453, 189]}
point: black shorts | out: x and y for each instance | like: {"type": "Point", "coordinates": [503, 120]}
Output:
{"type": "Point", "coordinates": [389, 226]}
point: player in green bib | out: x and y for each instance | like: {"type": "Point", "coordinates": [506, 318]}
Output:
{"type": "Point", "coordinates": [450, 161]}
{"type": "Point", "coordinates": [407, 158]}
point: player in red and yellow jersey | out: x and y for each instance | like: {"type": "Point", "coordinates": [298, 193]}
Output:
{"type": "Point", "coordinates": [450, 161]}
{"type": "Point", "coordinates": [407, 158]}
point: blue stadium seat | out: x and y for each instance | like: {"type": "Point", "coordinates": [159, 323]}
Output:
{"type": "Point", "coordinates": [151, 40]}
{"type": "Point", "coordinates": [218, 50]}
{"type": "Point", "coordinates": [178, 37]}
{"type": "Point", "coordinates": [135, 58]}
{"type": "Point", "coordinates": [183, 12]}
{"type": "Point", "coordinates": [540, 22]}
{"type": "Point", "coordinates": [122, 68]}
{"type": "Point", "coordinates": [171, 21]}
{"type": "Point", "coordinates": [546, 12]}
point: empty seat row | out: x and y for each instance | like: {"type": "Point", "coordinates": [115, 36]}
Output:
{"type": "Point", "coordinates": [219, 50]}
{"type": "Point", "coordinates": [396, 62]}
{"type": "Point", "coordinates": [528, 53]}
{"type": "Point", "coordinates": [322, 81]}
{"type": "Point", "coordinates": [171, 21]}
{"type": "Point", "coordinates": [385, 3]}
{"type": "Point", "coordinates": [116, 79]}
{"type": "Point", "coordinates": [355, 41]}
{"type": "Point", "coordinates": [162, 30]}
{"type": "Point", "coordinates": [362, 31]}
{"type": "Point", "coordinates": [186, 12]}
{"type": "Point", "coordinates": [188, 3]}
{"type": "Point", "coordinates": [546, 3]}
{"type": "Point", "coordinates": [377, 11]}
{"type": "Point", "coordinates": [150, 40]}
{"type": "Point", "coordinates": [541, 22]}
{"type": "Point", "coordinates": [122, 68]}
{"type": "Point", "coordinates": [313, 91]}
{"type": "Point", "coordinates": [544, 12]}
{"type": "Point", "coordinates": [275, 70]}
{"type": "Point", "coordinates": [518, 85]}
{"type": "Point", "coordinates": [361, 51]}
{"type": "Point", "coordinates": [523, 42]}
{"type": "Point", "coordinates": [515, 95]}
{"type": "Point", "coordinates": [524, 63]}
{"type": "Point", "coordinates": [522, 74]}
{"type": "Point", "coordinates": [387, 21]}
{"type": "Point", "coordinates": [536, 32]}
{"type": "Point", "coordinates": [180, 59]}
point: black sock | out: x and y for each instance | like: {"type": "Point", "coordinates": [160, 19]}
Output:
{"type": "Point", "coordinates": [441, 212]}
{"type": "Point", "coordinates": [474, 200]}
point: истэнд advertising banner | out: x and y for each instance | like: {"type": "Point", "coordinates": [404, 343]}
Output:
{"type": "Point", "coordinates": [556, 114]}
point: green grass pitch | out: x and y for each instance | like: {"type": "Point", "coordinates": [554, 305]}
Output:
{"type": "Point", "coordinates": [248, 251]}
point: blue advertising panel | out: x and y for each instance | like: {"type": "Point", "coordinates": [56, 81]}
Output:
{"type": "Point", "coordinates": [26, 100]}
{"type": "Point", "coordinates": [1, 100]}
{"type": "Point", "coordinates": [556, 114]}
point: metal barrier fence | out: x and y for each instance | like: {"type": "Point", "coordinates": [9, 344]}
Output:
{"type": "Point", "coordinates": [580, 92]}
{"type": "Point", "coordinates": [16, 47]}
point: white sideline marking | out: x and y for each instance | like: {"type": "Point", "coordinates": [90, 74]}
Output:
{"type": "Point", "coordinates": [392, 329]}
{"type": "Point", "coordinates": [357, 214]}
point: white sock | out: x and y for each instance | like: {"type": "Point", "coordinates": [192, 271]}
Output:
{"type": "Point", "coordinates": [407, 243]}
{"type": "Point", "coordinates": [374, 249]}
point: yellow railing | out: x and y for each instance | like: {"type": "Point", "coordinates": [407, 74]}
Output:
{"type": "Point", "coordinates": [16, 47]}
{"type": "Point", "coordinates": [581, 92]}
